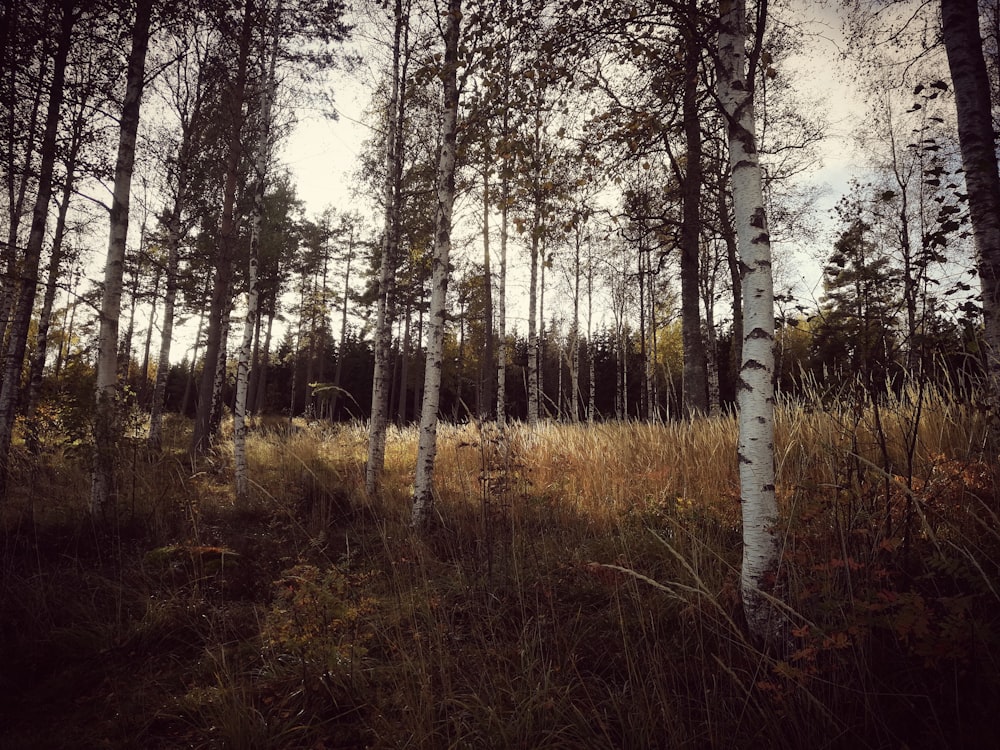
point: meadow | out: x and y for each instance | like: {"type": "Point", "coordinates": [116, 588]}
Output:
{"type": "Point", "coordinates": [579, 589]}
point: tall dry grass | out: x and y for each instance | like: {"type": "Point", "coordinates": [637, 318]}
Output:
{"type": "Point", "coordinates": [579, 589]}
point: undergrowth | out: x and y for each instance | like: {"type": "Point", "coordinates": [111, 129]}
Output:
{"type": "Point", "coordinates": [578, 590]}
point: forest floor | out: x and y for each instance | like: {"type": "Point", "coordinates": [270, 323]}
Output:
{"type": "Point", "coordinates": [579, 590]}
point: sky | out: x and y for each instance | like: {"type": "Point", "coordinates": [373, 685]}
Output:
{"type": "Point", "coordinates": [321, 153]}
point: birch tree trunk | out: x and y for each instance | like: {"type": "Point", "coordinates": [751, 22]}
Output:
{"type": "Point", "coordinates": [253, 293]}
{"type": "Point", "coordinates": [423, 489]}
{"type": "Point", "coordinates": [964, 45]}
{"type": "Point", "coordinates": [381, 378]}
{"type": "Point", "coordinates": [756, 389]}
{"type": "Point", "coordinates": [104, 491]}
{"type": "Point", "coordinates": [27, 278]}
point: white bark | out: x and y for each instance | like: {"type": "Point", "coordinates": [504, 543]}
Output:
{"type": "Point", "coordinates": [381, 379]}
{"type": "Point", "coordinates": [253, 294]}
{"type": "Point", "coordinates": [423, 491]}
{"type": "Point", "coordinates": [103, 490]}
{"type": "Point", "coordinates": [756, 390]}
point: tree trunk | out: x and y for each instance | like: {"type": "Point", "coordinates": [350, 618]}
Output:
{"type": "Point", "coordinates": [487, 365]}
{"type": "Point", "coordinates": [641, 274]}
{"type": "Point", "coordinates": [253, 294]}
{"type": "Point", "coordinates": [502, 304]}
{"type": "Point", "coordinates": [155, 437]}
{"type": "Point", "coordinates": [404, 367]}
{"type": "Point", "coordinates": [265, 366]}
{"type": "Point", "coordinates": [381, 383]}
{"type": "Point", "coordinates": [592, 384]}
{"type": "Point", "coordinates": [55, 262]}
{"type": "Point", "coordinates": [964, 45]}
{"type": "Point", "coordinates": [17, 191]}
{"type": "Point", "coordinates": [221, 301]}
{"type": "Point", "coordinates": [143, 390]}
{"type": "Point", "coordinates": [339, 370]}
{"type": "Point", "coordinates": [423, 484]}
{"type": "Point", "coordinates": [69, 320]}
{"type": "Point", "coordinates": [756, 388]}
{"type": "Point", "coordinates": [695, 390]}
{"type": "Point", "coordinates": [732, 259]}
{"type": "Point", "coordinates": [25, 287]}
{"type": "Point", "coordinates": [104, 491]}
{"type": "Point", "coordinates": [189, 387]}
{"type": "Point", "coordinates": [574, 338]}
{"type": "Point", "coordinates": [219, 381]}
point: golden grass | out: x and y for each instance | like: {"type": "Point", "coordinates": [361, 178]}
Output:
{"type": "Point", "coordinates": [579, 589]}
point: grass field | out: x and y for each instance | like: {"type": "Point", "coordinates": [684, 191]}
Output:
{"type": "Point", "coordinates": [579, 590]}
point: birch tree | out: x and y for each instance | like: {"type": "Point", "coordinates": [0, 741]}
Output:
{"type": "Point", "coordinates": [104, 490]}
{"type": "Point", "coordinates": [250, 323]}
{"type": "Point", "coordinates": [423, 497]}
{"type": "Point", "coordinates": [755, 450]}
{"type": "Point", "coordinates": [964, 46]}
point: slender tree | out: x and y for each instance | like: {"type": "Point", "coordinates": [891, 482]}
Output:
{"type": "Point", "coordinates": [423, 489]}
{"type": "Point", "coordinates": [381, 380]}
{"type": "Point", "coordinates": [755, 451]}
{"type": "Point", "coordinates": [210, 385]}
{"type": "Point", "coordinates": [104, 489]}
{"type": "Point", "coordinates": [253, 293]}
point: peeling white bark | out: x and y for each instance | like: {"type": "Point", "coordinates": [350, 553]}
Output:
{"type": "Point", "coordinates": [756, 389]}
{"type": "Point", "coordinates": [423, 490]}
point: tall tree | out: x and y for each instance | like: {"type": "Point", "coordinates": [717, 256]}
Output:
{"type": "Point", "coordinates": [79, 132]}
{"type": "Point", "coordinates": [188, 92]}
{"type": "Point", "coordinates": [423, 489]}
{"type": "Point", "coordinates": [104, 489]}
{"type": "Point", "coordinates": [695, 363]}
{"type": "Point", "coordinates": [394, 119]}
{"type": "Point", "coordinates": [755, 450]}
{"type": "Point", "coordinates": [225, 257]}
{"type": "Point", "coordinates": [250, 323]}
{"type": "Point", "coordinates": [964, 46]}
{"type": "Point", "coordinates": [17, 338]}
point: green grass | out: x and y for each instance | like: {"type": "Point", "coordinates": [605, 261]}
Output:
{"type": "Point", "coordinates": [579, 590]}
